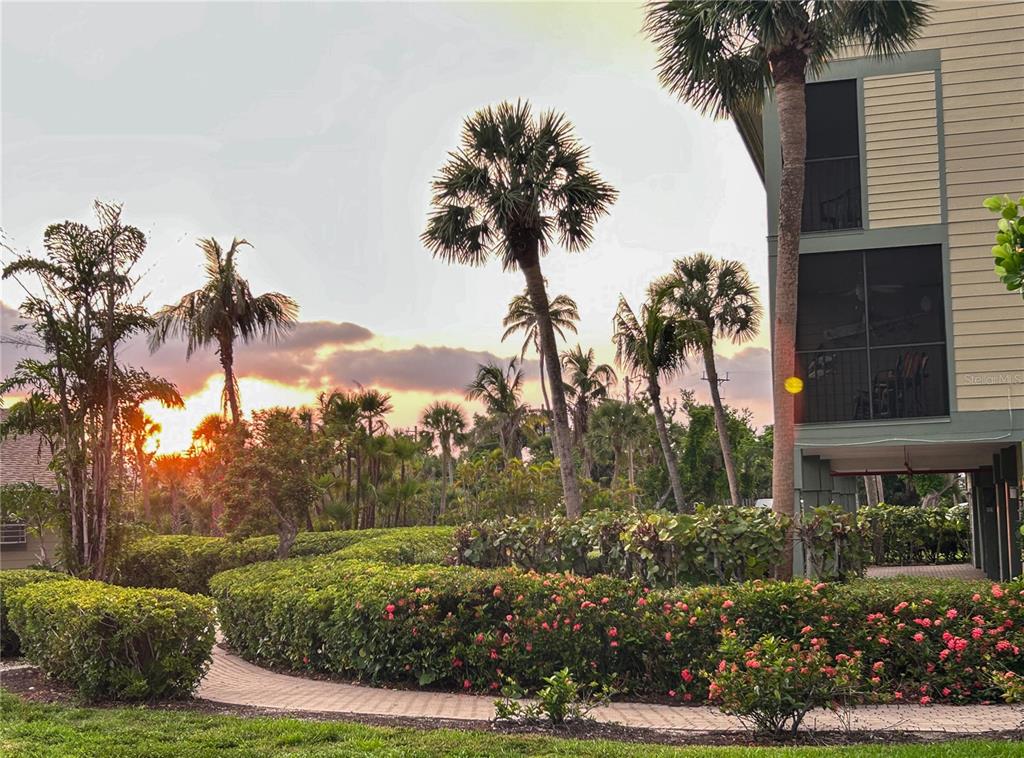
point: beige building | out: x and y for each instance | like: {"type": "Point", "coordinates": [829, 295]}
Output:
{"type": "Point", "coordinates": [24, 459]}
{"type": "Point", "coordinates": [911, 350]}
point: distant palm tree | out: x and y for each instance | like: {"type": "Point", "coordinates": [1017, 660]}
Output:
{"type": "Point", "coordinates": [445, 422]}
{"type": "Point", "coordinates": [522, 318]}
{"type": "Point", "coordinates": [515, 186]}
{"type": "Point", "coordinates": [141, 429]}
{"type": "Point", "coordinates": [586, 384]}
{"type": "Point", "coordinates": [374, 405]}
{"type": "Point", "coordinates": [621, 424]}
{"type": "Point", "coordinates": [221, 311]}
{"type": "Point", "coordinates": [650, 347]}
{"type": "Point", "coordinates": [714, 298]}
{"type": "Point", "coordinates": [500, 390]}
{"type": "Point", "coordinates": [721, 57]}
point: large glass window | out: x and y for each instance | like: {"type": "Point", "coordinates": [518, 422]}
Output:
{"type": "Point", "coordinates": [832, 176]}
{"type": "Point", "coordinates": [871, 335]}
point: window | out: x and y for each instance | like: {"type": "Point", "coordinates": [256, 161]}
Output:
{"type": "Point", "coordinates": [12, 535]}
{"type": "Point", "coordinates": [832, 175]}
{"type": "Point", "coordinates": [871, 335]}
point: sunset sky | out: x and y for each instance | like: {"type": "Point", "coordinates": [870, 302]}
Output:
{"type": "Point", "coordinates": [313, 131]}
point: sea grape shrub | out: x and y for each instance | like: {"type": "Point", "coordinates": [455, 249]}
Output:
{"type": "Point", "coordinates": [714, 545]}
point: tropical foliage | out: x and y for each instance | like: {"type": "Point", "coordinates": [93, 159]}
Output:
{"type": "Point", "coordinates": [81, 308]}
{"type": "Point", "coordinates": [1009, 248]}
{"type": "Point", "coordinates": [722, 57]}
{"type": "Point", "coordinates": [221, 312]}
{"type": "Point", "coordinates": [515, 186]}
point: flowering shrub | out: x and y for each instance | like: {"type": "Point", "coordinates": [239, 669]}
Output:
{"type": "Point", "coordinates": [471, 629]}
{"type": "Point", "coordinates": [717, 544]}
{"type": "Point", "coordinates": [902, 534]}
{"type": "Point", "coordinates": [774, 683]}
{"type": "Point", "coordinates": [112, 641]}
{"type": "Point", "coordinates": [10, 646]}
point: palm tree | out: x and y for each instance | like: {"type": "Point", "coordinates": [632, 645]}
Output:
{"type": "Point", "coordinates": [141, 429]}
{"type": "Point", "coordinates": [721, 56]}
{"type": "Point", "coordinates": [714, 298]}
{"type": "Point", "coordinates": [445, 421]}
{"type": "Point", "coordinates": [587, 383]}
{"type": "Point", "coordinates": [221, 311]}
{"type": "Point", "coordinates": [621, 424]}
{"type": "Point", "coordinates": [521, 317]}
{"type": "Point", "coordinates": [500, 390]}
{"type": "Point", "coordinates": [650, 347]}
{"type": "Point", "coordinates": [516, 184]}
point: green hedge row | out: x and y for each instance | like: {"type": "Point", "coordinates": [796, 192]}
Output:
{"type": "Point", "coordinates": [466, 628]}
{"type": "Point", "coordinates": [186, 562]}
{"type": "Point", "coordinates": [902, 534]}
{"type": "Point", "coordinates": [717, 544]}
{"type": "Point", "coordinates": [10, 646]}
{"type": "Point", "coordinates": [115, 642]}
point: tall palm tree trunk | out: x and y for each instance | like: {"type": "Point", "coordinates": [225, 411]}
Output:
{"type": "Point", "coordinates": [530, 265]}
{"type": "Point", "coordinates": [227, 359]}
{"type": "Point", "coordinates": [721, 424]}
{"type": "Point", "coordinates": [788, 74]}
{"type": "Point", "coordinates": [666, 445]}
{"type": "Point", "coordinates": [445, 455]}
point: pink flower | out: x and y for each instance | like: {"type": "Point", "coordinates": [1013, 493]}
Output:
{"type": "Point", "coordinates": [613, 632]}
{"type": "Point", "coordinates": [686, 675]}
{"type": "Point", "coordinates": [975, 597]}
{"type": "Point", "coordinates": [466, 684]}
{"type": "Point", "coordinates": [925, 700]}
{"type": "Point", "coordinates": [820, 586]}
{"type": "Point", "coordinates": [952, 613]}
{"type": "Point", "coordinates": [390, 608]}
{"type": "Point", "coordinates": [494, 654]}
{"type": "Point", "coordinates": [604, 601]}
{"type": "Point", "coordinates": [614, 643]}
{"type": "Point", "coordinates": [919, 637]}
{"type": "Point", "coordinates": [508, 617]}
{"type": "Point", "coordinates": [480, 639]}
{"type": "Point", "coordinates": [727, 604]}
{"type": "Point", "coordinates": [668, 636]}
{"type": "Point", "coordinates": [977, 632]}
{"type": "Point", "coordinates": [997, 591]}
{"type": "Point", "coordinates": [641, 602]}
{"type": "Point", "coordinates": [806, 630]}
{"type": "Point", "coordinates": [671, 693]}
{"type": "Point", "coordinates": [898, 695]}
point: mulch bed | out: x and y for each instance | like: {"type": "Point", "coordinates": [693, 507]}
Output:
{"type": "Point", "coordinates": [31, 685]}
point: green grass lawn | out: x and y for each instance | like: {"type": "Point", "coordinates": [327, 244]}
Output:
{"type": "Point", "coordinates": [60, 731]}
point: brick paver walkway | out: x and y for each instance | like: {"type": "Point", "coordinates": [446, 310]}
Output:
{"type": "Point", "coordinates": [232, 680]}
{"type": "Point", "coordinates": [950, 571]}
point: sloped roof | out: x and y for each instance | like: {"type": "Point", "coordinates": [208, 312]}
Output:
{"type": "Point", "coordinates": [25, 459]}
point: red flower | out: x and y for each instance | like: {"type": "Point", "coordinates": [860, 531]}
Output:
{"type": "Point", "coordinates": [390, 608]}
{"type": "Point", "coordinates": [686, 675]}
{"type": "Point", "coordinates": [668, 636]}
{"type": "Point", "coordinates": [613, 632]}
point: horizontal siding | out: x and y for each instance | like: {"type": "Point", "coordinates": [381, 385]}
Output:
{"type": "Point", "coordinates": [983, 115]}
{"type": "Point", "coordinates": [902, 150]}
{"type": "Point", "coordinates": [981, 44]}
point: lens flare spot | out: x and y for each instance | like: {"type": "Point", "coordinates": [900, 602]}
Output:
{"type": "Point", "coordinates": [794, 385]}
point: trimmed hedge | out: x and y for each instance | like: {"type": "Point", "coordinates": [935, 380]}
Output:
{"type": "Point", "coordinates": [186, 562]}
{"type": "Point", "coordinates": [10, 646]}
{"type": "Point", "coordinates": [465, 628]}
{"type": "Point", "coordinates": [115, 642]}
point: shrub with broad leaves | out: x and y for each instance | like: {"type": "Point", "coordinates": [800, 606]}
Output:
{"type": "Point", "coordinates": [717, 544]}
{"type": "Point", "coordinates": [774, 683]}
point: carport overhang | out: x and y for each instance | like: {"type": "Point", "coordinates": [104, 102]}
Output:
{"type": "Point", "coordinates": [916, 458]}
